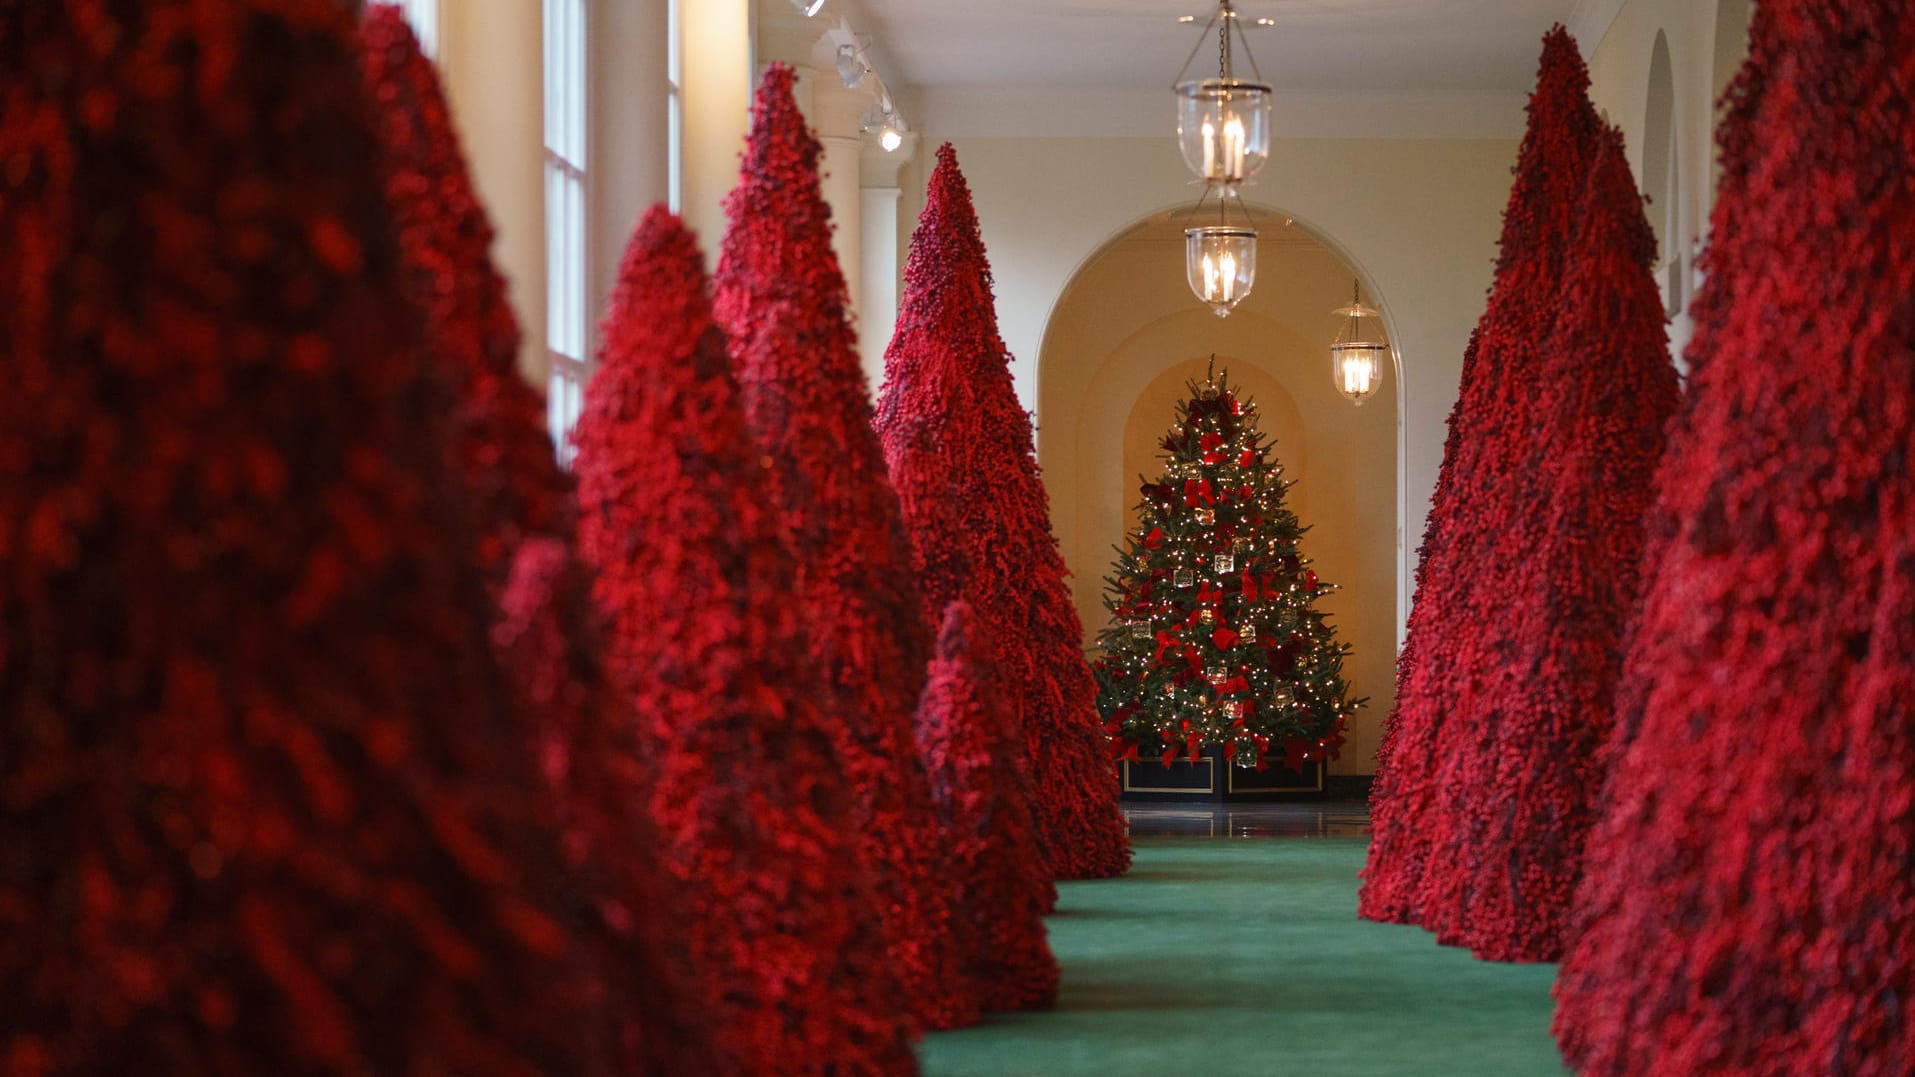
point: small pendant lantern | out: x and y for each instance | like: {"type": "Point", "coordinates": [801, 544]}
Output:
{"type": "Point", "coordinates": [1358, 355]}
{"type": "Point", "coordinates": [1223, 123]}
{"type": "Point", "coordinates": [1220, 262]}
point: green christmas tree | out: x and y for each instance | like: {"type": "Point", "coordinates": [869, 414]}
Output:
{"type": "Point", "coordinates": [1214, 636]}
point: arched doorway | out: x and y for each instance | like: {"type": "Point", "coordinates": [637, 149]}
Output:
{"type": "Point", "coordinates": [1661, 172]}
{"type": "Point", "coordinates": [1121, 342]}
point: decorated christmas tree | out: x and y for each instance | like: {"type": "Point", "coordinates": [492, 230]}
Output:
{"type": "Point", "coordinates": [499, 439]}
{"type": "Point", "coordinates": [1001, 888]}
{"type": "Point", "coordinates": [962, 456]}
{"type": "Point", "coordinates": [781, 300]}
{"type": "Point", "coordinates": [1460, 579]}
{"type": "Point", "coordinates": [1215, 638]}
{"type": "Point", "coordinates": [1515, 801]}
{"type": "Point", "coordinates": [678, 518]}
{"type": "Point", "coordinates": [265, 808]}
{"type": "Point", "coordinates": [1756, 895]}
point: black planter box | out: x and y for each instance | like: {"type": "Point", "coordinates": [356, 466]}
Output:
{"type": "Point", "coordinates": [1215, 780]}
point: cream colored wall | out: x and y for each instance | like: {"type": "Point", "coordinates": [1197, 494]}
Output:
{"type": "Point", "coordinates": [716, 36]}
{"type": "Point", "coordinates": [1417, 219]}
{"type": "Point", "coordinates": [490, 55]}
{"type": "Point", "coordinates": [1707, 40]}
{"type": "Point", "coordinates": [1126, 336]}
{"type": "Point", "coordinates": [629, 155]}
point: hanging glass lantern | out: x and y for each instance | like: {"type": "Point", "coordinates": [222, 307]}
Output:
{"type": "Point", "coordinates": [1359, 352]}
{"type": "Point", "coordinates": [1224, 563]}
{"type": "Point", "coordinates": [1223, 123]}
{"type": "Point", "coordinates": [1221, 264]}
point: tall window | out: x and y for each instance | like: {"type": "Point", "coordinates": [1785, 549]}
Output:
{"type": "Point", "coordinates": [424, 17]}
{"type": "Point", "coordinates": [565, 303]}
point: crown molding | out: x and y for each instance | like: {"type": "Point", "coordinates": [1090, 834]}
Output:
{"type": "Point", "coordinates": [946, 112]}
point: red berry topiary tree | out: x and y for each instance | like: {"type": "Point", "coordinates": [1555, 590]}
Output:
{"type": "Point", "coordinates": [677, 517]}
{"type": "Point", "coordinates": [503, 450]}
{"type": "Point", "coordinates": [781, 299]}
{"type": "Point", "coordinates": [1459, 581]}
{"type": "Point", "coordinates": [961, 454]}
{"type": "Point", "coordinates": [1515, 801]}
{"type": "Point", "coordinates": [522, 509]}
{"type": "Point", "coordinates": [971, 747]}
{"type": "Point", "coordinates": [262, 807]}
{"type": "Point", "coordinates": [1757, 841]}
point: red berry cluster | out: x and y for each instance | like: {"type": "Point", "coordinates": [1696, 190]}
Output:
{"type": "Point", "coordinates": [781, 299]}
{"type": "Point", "coordinates": [1756, 896]}
{"type": "Point", "coordinates": [983, 798]}
{"type": "Point", "coordinates": [678, 518]}
{"type": "Point", "coordinates": [962, 457]}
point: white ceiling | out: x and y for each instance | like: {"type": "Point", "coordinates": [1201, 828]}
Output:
{"type": "Point", "coordinates": [1391, 47]}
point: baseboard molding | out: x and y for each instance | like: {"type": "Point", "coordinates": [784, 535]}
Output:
{"type": "Point", "coordinates": [1347, 786]}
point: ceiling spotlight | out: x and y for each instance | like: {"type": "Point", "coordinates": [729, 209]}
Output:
{"type": "Point", "coordinates": [1186, 19]}
{"type": "Point", "coordinates": [851, 68]}
{"type": "Point", "coordinates": [882, 121]}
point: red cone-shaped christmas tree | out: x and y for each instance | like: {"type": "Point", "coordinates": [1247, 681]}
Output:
{"type": "Point", "coordinates": [1757, 893]}
{"type": "Point", "coordinates": [522, 509]}
{"type": "Point", "coordinates": [971, 748]}
{"type": "Point", "coordinates": [548, 639]}
{"type": "Point", "coordinates": [1515, 803]}
{"type": "Point", "coordinates": [756, 819]}
{"type": "Point", "coordinates": [781, 299]}
{"type": "Point", "coordinates": [1458, 581]}
{"type": "Point", "coordinates": [962, 457]}
{"type": "Point", "coordinates": [500, 440]}
{"type": "Point", "coordinates": [264, 810]}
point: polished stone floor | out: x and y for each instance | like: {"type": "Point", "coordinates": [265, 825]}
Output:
{"type": "Point", "coordinates": [1314, 819]}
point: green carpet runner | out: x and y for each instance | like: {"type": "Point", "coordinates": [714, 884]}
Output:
{"type": "Point", "coordinates": [1215, 958]}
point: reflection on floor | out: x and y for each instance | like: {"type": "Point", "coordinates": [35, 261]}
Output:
{"type": "Point", "coordinates": [1313, 819]}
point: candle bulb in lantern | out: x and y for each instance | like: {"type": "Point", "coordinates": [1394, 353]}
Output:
{"type": "Point", "coordinates": [1233, 150]}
